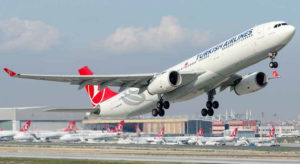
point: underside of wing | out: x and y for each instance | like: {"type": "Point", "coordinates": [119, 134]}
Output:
{"type": "Point", "coordinates": [231, 81]}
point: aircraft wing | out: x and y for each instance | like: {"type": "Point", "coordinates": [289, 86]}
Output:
{"type": "Point", "coordinates": [123, 81]}
{"type": "Point", "coordinates": [231, 81]}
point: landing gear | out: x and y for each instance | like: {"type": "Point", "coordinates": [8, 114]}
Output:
{"type": "Point", "coordinates": [210, 112]}
{"type": "Point", "coordinates": [154, 112]}
{"type": "Point", "coordinates": [161, 105]}
{"type": "Point", "coordinates": [204, 112]}
{"type": "Point", "coordinates": [161, 112]}
{"type": "Point", "coordinates": [273, 64]}
{"type": "Point", "coordinates": [210, 104]}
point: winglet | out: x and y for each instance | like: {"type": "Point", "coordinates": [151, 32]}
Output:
{"type": "Point", "coordinates": [10, 72]}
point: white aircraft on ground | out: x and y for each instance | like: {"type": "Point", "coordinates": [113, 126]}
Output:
{"type": "Point", "coordinates": [213, 68]}
{"type": "Point", "coordinates": [24, 135]}
{"type": "Point", "coordinates": [269, 138]}
{"type": "Point", "coordinates": [214, 140]}
{"type": "Point", "coordinates": [91, 136]}
{"type": "Point", "coordinates": [158, 139]}
{"type": "Point", "coordinates": [9, 134]}
{"type": "Point", "coordinates": [180, 140]}
{"type": "Point", "coordinates": [46, 136]}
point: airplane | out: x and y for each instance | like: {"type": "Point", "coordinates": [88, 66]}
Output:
{"type": "Point", "coordinates": [24, 135]}
{"type": "Point", "coordinates": [90, 136]}
{"type": "Point", "coordinates": [269, 138]}
{"type": "Point", "coordinates": [117, 129]}
{"type": "Point", "coordinates": [46, 136]}
{"type": "Point", "coordinates": [205, 72]}
{"type": "Point", "coordinates": [158, 139]}
{"type": "Point", "coordinates": [200, 140]}
{"type": "Point", "coordinates": [9, 134]}
{"type": "Point", "coordinates": [184, 139]}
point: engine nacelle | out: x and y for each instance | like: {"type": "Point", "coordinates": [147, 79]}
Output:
{"type": "Point", "coordinates": [164, 83]}
{"type": "Point", "coordinates": [251, 83]}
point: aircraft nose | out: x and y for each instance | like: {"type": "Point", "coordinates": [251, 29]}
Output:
{"type": "Point", "coordinates": [291, 31]}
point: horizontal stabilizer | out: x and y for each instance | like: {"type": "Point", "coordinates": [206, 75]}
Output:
{"type": "Point", "coordinates": [71, 110]}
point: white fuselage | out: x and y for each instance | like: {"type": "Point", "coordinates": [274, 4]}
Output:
{"type": "Point", "coordinates": [218, 63]}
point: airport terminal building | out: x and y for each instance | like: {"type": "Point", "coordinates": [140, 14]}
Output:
{"type": "Point", "coordinates": [173, 126]}
{"type": "Point", "coordinates": [14, 118]}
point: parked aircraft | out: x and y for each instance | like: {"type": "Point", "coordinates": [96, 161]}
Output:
{"type": "Point", "coordinates": [89, 136]}
{"type": "Point", "coordinates": [46, 136]}
{"type": "Point", "coordinates": [9, 134]}
{"type": "Point", "coordinates": [214, 140]}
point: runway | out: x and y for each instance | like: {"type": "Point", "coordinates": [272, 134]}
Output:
{"type": "Point", "coordinates": [152, 153]}
{"type": "Point", "coordinates": [152, 158]}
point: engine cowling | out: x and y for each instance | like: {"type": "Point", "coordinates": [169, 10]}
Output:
{"type": "Point", "coordinates": [251, 83]}
{"type": "Point", "coordinates": [164, 83]}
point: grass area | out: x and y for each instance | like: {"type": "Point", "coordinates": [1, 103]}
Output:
{"type": "Point", "coordinates": [63, 161]}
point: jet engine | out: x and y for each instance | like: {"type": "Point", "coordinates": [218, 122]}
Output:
{"type": "Point", "coordinates": [164, 82]}
{"type": "Point", "coordinates": [251, 83]}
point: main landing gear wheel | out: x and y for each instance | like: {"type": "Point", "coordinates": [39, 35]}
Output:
{"type": "Point", "coordinates": [215, 104]}
{"type": "Point", "coordinates": [210, 112]}
{"type": "Point", "coordinates": [161, 112]}
{"type": "Point", "coordinates": [273, 64]}
{"type": "Point", "coordinates": [204, 112]}
{"type": "Point", "coordinates": [166, 104]}
{"type": "Point", "coordinates": [154, 112]}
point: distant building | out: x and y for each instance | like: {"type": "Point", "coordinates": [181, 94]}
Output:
{"type": "Point", "coordinates": [14, 118]}
{"type": "Point", "coordinates": [173, 126]}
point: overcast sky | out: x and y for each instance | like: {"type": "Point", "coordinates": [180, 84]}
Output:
{"type": "Point", "coordinates": [118, 37]}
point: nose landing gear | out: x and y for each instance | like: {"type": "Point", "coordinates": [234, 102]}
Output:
{"type": "Point", "coordinates": [273, 64]}
{"type": "Point", "coordinates": [210, 104]}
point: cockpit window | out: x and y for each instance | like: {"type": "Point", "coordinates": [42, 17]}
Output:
{"type": "Point", "coordinates": [278, 25]}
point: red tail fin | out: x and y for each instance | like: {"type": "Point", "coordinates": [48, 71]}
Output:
{"type": "Point", "coordinates": [119, 127]}
{"type": "Point", "coordinates": [108, 129]}
{"type": "Point", "coordinates": [71, 126]}
{"type": "Point", "coordinates": [26, 126]}
{"type": "Point", "coordinates": [162, 132]}
{"type": "Point", "coordinates": [234, 133]}
{"type": "Point", "coordinates": [1, 129]}
{"type": "Point", "coordinates": [200, 132]}
{"type": "Point", "coordinates": [272, 132]}
{"type": "Point", "coordinates": [95, 95]}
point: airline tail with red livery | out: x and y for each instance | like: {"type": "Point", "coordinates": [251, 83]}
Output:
{"type": "Point", "coordinates": [25, 127]}
{"type": "Point", "coordinates": [272, 132]}
{"type": "Point", "coordinates": [234, 133]}
{"type": "Point", "coordinates": [96, 94]}
{"type": "Point", "coordinates": [162, 132]}
{"type": "Point", "coordinates": [200, 132]}
{"type": "Point", "coordinates": [71, 127]}
{"type": "Point", "coordinates": [118, 128]}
